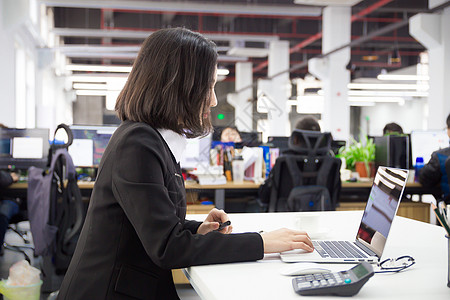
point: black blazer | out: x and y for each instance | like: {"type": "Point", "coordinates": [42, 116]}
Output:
{"type": "Point", "coordinates": [135, 230]}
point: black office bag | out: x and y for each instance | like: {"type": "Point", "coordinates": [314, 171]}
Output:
{"type": "Point", "coordinates": [55, 205]}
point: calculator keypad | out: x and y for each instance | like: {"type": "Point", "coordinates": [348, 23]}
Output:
{"type": "Point", "coordinates": [322, 280]}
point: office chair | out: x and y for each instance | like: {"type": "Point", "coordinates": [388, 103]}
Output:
{"type": "Point", "coordinates": [305, 177]}
{"type": "Point", "coordinates": [447, 171]}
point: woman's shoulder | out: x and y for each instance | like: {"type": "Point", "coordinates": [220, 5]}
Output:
{"type": "Point", "coordinates": [135, 130]}
{"type": "Point", "coordinates": [137, 135]}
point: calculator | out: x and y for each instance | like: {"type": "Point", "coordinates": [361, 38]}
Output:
{"type": "Point", "coordinates": [343, 283]}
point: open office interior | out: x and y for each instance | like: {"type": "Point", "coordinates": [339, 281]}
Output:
{"type": "Point", "coordinates": [353, 65]}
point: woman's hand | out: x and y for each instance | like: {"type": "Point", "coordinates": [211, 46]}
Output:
{"type": "Point", "coordinates": [286, 239]}
{"type": "Point", "coordinates": [14, 176]}
{"type": "Point", "coordinates": [212, 221]}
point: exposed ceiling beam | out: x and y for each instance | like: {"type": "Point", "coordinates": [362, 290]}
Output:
{"type": "Point", "coordinates": [318, 35]}
{"type": "Point", "coordinates": [134, 34]}
{"type": "Point", "coordinates": [133, 55]}
{"type": "Point", "coordinates": [177, 6]}
{"type": "Point", "coordinates": [109, 48]}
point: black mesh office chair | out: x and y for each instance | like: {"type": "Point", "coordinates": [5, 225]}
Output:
{"type": "Point", "coordinates": [305, 177]}
{"type": "Point", "coordinates": [447, 170]}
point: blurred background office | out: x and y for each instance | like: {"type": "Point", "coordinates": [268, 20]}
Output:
{"type": "Point", "coordinates": [348, 66]}
{"type": "Point", "coordinates": [65, 61]}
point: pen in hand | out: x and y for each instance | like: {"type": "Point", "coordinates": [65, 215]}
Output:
{"type": "Point", "coordinates": [223, 225]}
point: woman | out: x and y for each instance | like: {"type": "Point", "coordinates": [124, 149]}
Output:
{"type": "Point", "coordinates": [135, 230]}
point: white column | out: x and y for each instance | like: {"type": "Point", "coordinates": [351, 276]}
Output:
{"type": "Point", "coordinates": [7, 82]}
{"type": "Point", "coordinates": [278, 115]}
{"type": "Point", "coordinates": [242, 101]}
{"type": "Point", "coordinates": [432, 31]}
{"type": "Point", "coordinates": [333, 73]}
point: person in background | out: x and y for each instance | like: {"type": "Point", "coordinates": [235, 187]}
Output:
{"type": "Point", "coordinates": [433, 172]}
{"type": "Point", "coordinates": [8, 207]}
{"type": "Point", "coordinates": [135, 230]}
{"type": "Point", "coordinates": [230, 134]}
{"type": "Point", "coordinates": [308, 123]}
{"type": "Point", "coordinates": [392, 128]}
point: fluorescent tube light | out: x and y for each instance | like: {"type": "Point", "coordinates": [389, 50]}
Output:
{"type": "Point", "coordinates": [91, 78]}
{"type": "Point", "coordinates": [376, 99]}
{"type": "Point", "coordinates": [92, 92]}
{"type": "Point", "coordinates": [99, 68]}
{"type": "Point", "coordinates": [388, 93]}
{"type": "Point", "coordinates": [89, 86]}
{"type": "Point", "coordinates": [109, 86]}
{"type": "Point", "coordinates": [223, 72]}
{"type": "Point", "coordinates": [387, 86]}
{"type": "Point", "coordinates": [402, 77]}
{"type": "Point", "coordinates": [354, 103]}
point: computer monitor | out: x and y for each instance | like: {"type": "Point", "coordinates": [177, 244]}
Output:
{"type": "Point", "coordinates": [336, 145]}
{"type": "Point", "coordinates": [250, 139]}
{"type": "Point", "coordinates": [392, 151]}
{"type": "Point", "coordinates": [424, 143]}
{"type": "Point", "coordinates": [280, 142]}
{"type": "Point", "coordinates": [23, 148]}
{"type": "Point", "coordinates": [89, 143]}
{"type": "Point", "coordinates": [196, 153]}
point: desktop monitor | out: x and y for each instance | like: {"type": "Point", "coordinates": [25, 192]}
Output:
{"type": "Point", "coordinates": [250, 139]}
{"type": "Point", "coordinates": [23, 148]}
{"type": "Point", "coordinates": [89, 143]}
{"type": "Point", "coordinates": [424, 143]}
{"type": "Point", "coordinates": [392, 151]}
{"type": "Point", "coordinates": [280, 142]}
{"type": "Point", "coordinates": [196, 153]}
{"type": "Point", "coordinates": [336, 145]}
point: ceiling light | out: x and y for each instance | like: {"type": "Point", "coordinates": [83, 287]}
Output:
{"type": "Point", "coordinates": [99, 68]}
{"type": "Point", "coordinates": [395, 57]}
{"type": "Point", "coordinates": [91, 92]}
{"type": "Point", "coordinates": [222, 72]}
{"type": "Point", "coordinates": [385, 93]}
{"type": "Point", "coordinates": [402, 77]}
{"type": "Point", "coordinates": [248, 52]}
{"type": "Point", "coordinates": [376, 99]}
{"type": "Point", "coordinates": [328, 2]}
{"type": "Point", "coordinates": [354, 103]}
{"type": "Point", "coordinates": [387, 86]}
{"type": "Point", "coordinates": [370, 57]}
{"type": "Point", "coordinates": [89, 86]}
{"type": "Point", "coordinates": [378, 93]}
{"type": "Point", "coordinates": [90, 78]}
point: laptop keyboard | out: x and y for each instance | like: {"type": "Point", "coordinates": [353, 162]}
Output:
{"type": "Point", "coordinates": [337, 249]}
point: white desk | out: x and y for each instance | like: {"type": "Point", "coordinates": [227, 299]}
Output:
{"type": "Point", "coordinates": [427, 279]}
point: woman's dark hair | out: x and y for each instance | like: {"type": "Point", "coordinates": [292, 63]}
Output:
{"type": "Point", "coordinates": [170, 84]}
{"type": "Point", "coordinates": [308, 123]}
{"type": "Point", "coordinates": [448, 121]}
{"type": "Point", "coordinates": [392, 128]}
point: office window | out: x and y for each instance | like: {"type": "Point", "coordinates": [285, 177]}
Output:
{"type": "Point", "coordinates": [25, 89]}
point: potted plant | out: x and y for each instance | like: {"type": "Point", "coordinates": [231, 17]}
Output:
{"type": "Point", "coordinates": [360, 156]}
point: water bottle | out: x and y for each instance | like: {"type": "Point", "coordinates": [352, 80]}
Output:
{"type": "Point", "coordinates": [419, 165]}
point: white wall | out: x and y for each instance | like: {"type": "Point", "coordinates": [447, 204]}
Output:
{"type": "Point", "coordinates": [7, 58]}
{"type": "Point", "coordinates": [410, 116]}
{"type": "Point", "coordinates": [51, 104]}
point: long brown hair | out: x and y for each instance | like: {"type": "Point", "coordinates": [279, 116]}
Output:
{"type": "Point", "coordinates": [170, 84]}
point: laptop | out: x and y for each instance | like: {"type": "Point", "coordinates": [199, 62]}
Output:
{"type": "Point", "coordinates": [373, 231]}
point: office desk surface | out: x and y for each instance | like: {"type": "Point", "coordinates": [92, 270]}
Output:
{"type": "Point", "coordinates": [228, 185]}
{"type": "Point", "coordinates": [427, 279]}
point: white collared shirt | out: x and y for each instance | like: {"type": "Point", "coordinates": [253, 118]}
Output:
{"type": "Point", "coordinates": [177, 143]}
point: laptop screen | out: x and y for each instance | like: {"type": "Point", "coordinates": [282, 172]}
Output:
{"type": "Point", "coordinates": [381, 207]}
